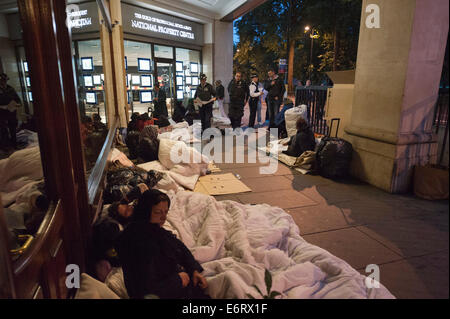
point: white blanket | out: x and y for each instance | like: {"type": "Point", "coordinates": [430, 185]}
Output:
{"type": "Point", "coordinates": [19, 173]}
{"type": "Point", "coordinates": [235, 243]}
{"type": "Point", "coordinates": [178, 176]}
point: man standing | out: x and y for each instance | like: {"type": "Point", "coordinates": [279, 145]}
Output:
{"type": "Point", "coordinates": [275, 86]}
{"type": "Point", "coordinates": [160, 103]}
{"type": "Point", "coordinates": [9, 102]}
{"type": "Point", "coordinates": [255, 96]}
{"type": "Point", "coordinates": [206, 93]}
{"type": "Point", "coordinates": [239, 94]}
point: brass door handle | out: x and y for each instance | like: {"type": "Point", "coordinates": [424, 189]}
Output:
{"type": "Point", "coordinates": [27, 242]}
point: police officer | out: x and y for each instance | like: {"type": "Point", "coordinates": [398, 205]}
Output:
{"type": "Point", "coordinates": [205, 92]}
{"type": "Point", "coordinates": [9, 103]}
{"type": "Point", "coordinates": [255, 96]}
{"type": "Point", "coordinates": [239, 93]}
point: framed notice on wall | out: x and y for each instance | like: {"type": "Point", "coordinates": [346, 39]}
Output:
{"type": "Point", "coordinates": [88, 81]}
{"type": "Point", "coordinates": [91, 98]}
{"type": "Point", "coordinates": [146, 96]}
{"type": "Point", "coordinates": [144, 65]}
{"type": "Point", "coordinates": [87, 64]}
{"type": "Point", "coordinates": [180, 66]}
{"type": "Point", "coordinates": [194, 67]}
{"type": "Point", "coordinates": [97, 79]}
{"type": "Point", "coordinates": [146, 81]}
{"type": "Point", "coordinates": [136, 80]}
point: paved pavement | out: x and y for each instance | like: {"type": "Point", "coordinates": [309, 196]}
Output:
{"type": "Point", "coordinates": [406, 236]}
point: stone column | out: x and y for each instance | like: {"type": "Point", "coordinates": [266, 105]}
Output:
{"type": "Point", "coordinates": [114, 66]}
{"type": "Point", "coordinates": [396, 86]}
{"type": "Point", "coordinates": [223, 55]}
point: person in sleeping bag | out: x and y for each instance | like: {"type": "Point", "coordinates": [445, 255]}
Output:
{"type": "Point", "coordinates": [302, 141]}
{"type": "Point", "coordinates": [155, 263]}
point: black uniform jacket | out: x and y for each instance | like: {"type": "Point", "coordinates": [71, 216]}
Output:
{"type": "Point", "coordinates": [239, 93]}
{"type": "Point", "coordinates": [151, 259]}
{"type": "Point", "coordinates": [205, 93]}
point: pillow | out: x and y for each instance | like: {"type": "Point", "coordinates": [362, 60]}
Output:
{"type": "Point", "coordinates": [115, 281]}
{"type": "Point", "coordinates": [94, 289]}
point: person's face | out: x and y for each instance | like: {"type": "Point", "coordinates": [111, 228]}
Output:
{"type": "Point", "coordinates": [238, 76]}
{"type": "Point", "coordinates": [125, 210]}
{"type": "Point", "coordinates": [203, 81]}
{"type": "Point", "coordinates": [271, 74]}
{"type": "Point", "coordinates": [159, 213]}
{"type": "Point", "coordinates": [255, 79]}
{"type": "Point", "coordinates": [308, 83]}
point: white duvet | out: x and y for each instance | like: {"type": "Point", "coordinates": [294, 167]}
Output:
{"type": "Point", "coordinates": [235, 243]}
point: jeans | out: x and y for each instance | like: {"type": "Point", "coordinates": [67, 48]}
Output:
{"type": "Point", "coordinates": [258, 111]}
{"type": "Point", "coordinates": [221, 109]}
{"type": "Point", "coordinates": [273, 107]}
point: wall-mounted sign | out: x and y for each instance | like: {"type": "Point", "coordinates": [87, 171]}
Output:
{"type": "Point", "coordinates": [83, 17]}
{"type": "Point", "coordinates": [154, 24]}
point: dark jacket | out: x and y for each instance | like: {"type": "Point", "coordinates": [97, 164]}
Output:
{"type": "Point", "coordinates": [301, 142]}
{"type": "Point", "coordinates": [220, 92]}
{"type": "Point", "coordinates": [279, 118]}
{"type": "Point", "coordinates": [205, 93]}
{"type": "Point", "coordinates": [276, 90]}
{"type": "Point", "coordinates": [160, 106]}
{"type": "Point", "coordinates": [151, 259]}
{"type": "Point", "coordinates": [7, 95]}
{"type": "Point", "coordinates": [239, 92]}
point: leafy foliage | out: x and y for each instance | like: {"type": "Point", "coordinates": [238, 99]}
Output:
{"type": "Point", "coordinates": [268, 33]}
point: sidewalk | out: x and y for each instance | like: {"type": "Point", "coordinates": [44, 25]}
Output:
{"type": "Point", "coordinates": [407, 237]}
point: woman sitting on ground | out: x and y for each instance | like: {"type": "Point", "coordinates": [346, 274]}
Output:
{"type": "Point", "coordinates": [154, 261]}
{"type": "Point", "coordinates": [301, 142]}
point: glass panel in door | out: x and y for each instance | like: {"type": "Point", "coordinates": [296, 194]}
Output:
{"type": "Point", "coordinates": [165, 73]}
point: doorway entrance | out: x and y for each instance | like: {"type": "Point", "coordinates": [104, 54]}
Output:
{"type": "Point", "coordinates": [164, 74]}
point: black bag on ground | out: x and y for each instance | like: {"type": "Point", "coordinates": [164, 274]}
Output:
{"type": "Point", "coordinates": [333, 157]}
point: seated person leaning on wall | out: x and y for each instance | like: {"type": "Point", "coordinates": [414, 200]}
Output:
{"type": "Point", "coordinates": [155, 263]}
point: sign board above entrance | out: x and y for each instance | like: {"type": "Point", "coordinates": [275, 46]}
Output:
{"type": "Point", "coordinates": [149, 23]}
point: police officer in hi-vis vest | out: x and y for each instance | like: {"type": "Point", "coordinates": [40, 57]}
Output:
{"type": "Point", "coordinates": [255, 96]}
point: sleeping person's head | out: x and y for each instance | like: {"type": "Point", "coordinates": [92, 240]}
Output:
{"type": "Point", "coordinates": [121, 211]}
{"type": "Point", "coordinates": [152, 207]}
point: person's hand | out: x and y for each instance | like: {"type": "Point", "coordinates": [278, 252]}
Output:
{"type": "Point", "coordinates": [197, 278]}
{"type": "Point", "coordinates": [184, 279]}
{"type": "Point", "coordinates": [285, 143]}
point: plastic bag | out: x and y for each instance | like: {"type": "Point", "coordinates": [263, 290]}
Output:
{"type": "Point", "coordinates": [291, 116]}
{"type": "Point", "coordinates": [333, 157]}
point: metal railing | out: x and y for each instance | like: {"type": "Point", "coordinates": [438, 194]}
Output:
{"type": "Point", "coordinates": [315, 98]}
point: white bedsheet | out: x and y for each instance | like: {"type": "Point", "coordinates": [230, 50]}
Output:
{"type": "Point", "coordinates": [178, 176]}
{"type": "Point", "coordinates": [235, 243]}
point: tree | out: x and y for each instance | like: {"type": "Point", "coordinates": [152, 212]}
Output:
{"type": "Point", "coordinates": [275, 30]}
